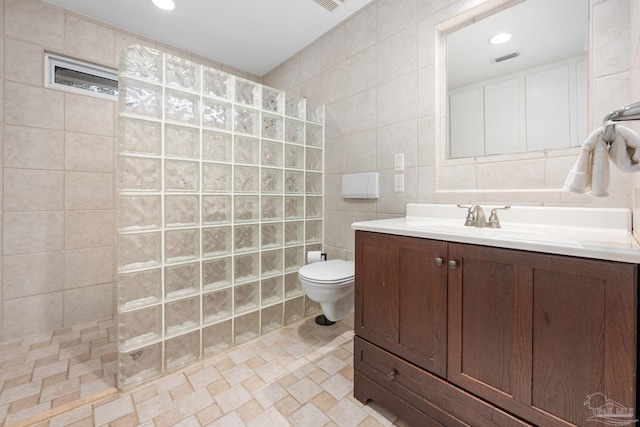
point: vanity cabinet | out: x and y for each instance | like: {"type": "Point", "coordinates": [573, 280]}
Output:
{"type": "Point", "coordinates": [458, 334]}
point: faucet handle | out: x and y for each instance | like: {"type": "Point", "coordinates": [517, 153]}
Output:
{"type": "Point", "coordinates": [494, 222]}
{"type": "Point", "coordinates": [470, 221]}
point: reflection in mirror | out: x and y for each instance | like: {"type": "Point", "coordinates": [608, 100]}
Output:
{"type": "Point", "coordinates": [527, 93]}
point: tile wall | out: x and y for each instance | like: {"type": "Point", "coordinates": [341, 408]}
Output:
{"type": "Point", "coordinates": [375, 73]}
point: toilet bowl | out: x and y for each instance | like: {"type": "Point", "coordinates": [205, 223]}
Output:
{"type": "Point", "coordinates": [330, 283]}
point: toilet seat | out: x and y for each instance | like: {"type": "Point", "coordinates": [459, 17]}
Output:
{"type": "Point", "coordinates": [332, 272]}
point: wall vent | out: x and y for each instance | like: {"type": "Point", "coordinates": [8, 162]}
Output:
{"type": "Point", "coordinates": [505, 57]}
{"type": "Point", "coordinates": [330, 5]}
{"type": "Point", "coordinates": [80, 77]}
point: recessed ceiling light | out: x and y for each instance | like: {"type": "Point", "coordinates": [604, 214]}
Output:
{"type": "Point", "coordinates": [165, 4]}
{"type": "Point", "coordinates": [500, 38]}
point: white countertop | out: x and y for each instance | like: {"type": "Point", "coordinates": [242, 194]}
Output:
{"type": "Point", "coordinates": [599, 233]}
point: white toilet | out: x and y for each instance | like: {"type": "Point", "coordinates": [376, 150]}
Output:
{"type": "Point", "coordinates": [330, 283]}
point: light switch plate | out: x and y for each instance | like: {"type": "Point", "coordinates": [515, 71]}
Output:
{"type": "Point", "coordinates": [398, 162]}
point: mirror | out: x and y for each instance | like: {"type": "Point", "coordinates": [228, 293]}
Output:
{"type": "Point", "coordinates": [528, 93]}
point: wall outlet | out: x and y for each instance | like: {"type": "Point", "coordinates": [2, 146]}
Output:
{"type": "Point", "coordinates": [398, 183]}
{"type": "Point", "coordinates": [398, 162]}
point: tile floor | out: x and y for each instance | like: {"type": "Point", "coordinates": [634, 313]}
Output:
{"type": "Point", "coordinates": [301, 375]}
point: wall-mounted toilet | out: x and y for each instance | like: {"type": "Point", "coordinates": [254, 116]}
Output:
{"type": "Point", "coordinates": [330, 283]}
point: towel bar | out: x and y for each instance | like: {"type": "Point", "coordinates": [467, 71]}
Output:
{"type": "Point", "coordinates": [628, 113]}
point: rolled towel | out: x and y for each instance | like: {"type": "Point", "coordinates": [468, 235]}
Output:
{"type": "Point", "coordinates": [590, 174]}
{"type": "Point", "coordinates": [625, 150]}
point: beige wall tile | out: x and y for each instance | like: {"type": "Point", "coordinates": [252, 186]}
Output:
{"type": "Point", "coordinates": [334, 156]}
{"type": "Point", "coordinates": [23, 62]}
{"type": "Point", "coordinates": [88, 190]}
{"type": "Point", "coordinates": [360, 111]}
{"type": "Point", "coordinates": [86, 114]}
{"type": "Point", "coordinates": [398, 100]}
{"type": "Point", "coordinates": [33, 148]}
{"type": "Point", "coordinates": [395, 15]}
{"type": "Point", "coordinates": [32, 274]}
{"type": "Point", "coordinates": [611, 43]}
{"type": "Point", "coordinates": [527, 174]}
{"type": "Point", "coordinates": [89, 229]}
{"type": "Point", "coordinates": [398, 54]}
{"type": "Point", "coordinates": [362, 71]}
{"type": "Point", "coordinates": [91, 153]}
{"type": "Point", "coordinates": [85, 267]}
{"type": "Point", "coordinates": [30, 315]}
{"type": "Point", "coordinates": [88, 304]}
{"type": "Point", "coordinates": [32, 190]}
{"type": "Point", "coordinates": [311, 61]}
{"type": "Point", "coordinates": [90, 40]}
{"type": "Point", "coordinates": [33, 106]}
{"type": "Point", "coordinates": [334, 47]}
{"type": "Point", "coordinates": [360, 154]}
{"type": "Point", "coordinates": [36, 22]}
{"type": "Point", "coordinates": [362, 30]}
{"type": "Point", "coordinates": [31, 232]}
{"type": "Point", "coordinates": [397, 138]}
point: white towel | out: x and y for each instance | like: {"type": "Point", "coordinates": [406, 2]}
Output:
{"type": "Point", "coordinates": [625, 150]}
{"type": "Point", "coordinates": [590, 174]}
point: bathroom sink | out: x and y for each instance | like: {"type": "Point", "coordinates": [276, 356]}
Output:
{"type": "Point", "coordinates": [448, 227]}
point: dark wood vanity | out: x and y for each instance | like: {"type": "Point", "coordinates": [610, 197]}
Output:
{"type": "Point", "coordinates": [456, 334]}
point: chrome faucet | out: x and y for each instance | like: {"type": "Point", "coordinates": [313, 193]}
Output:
{"type": "Point", "coordinates": [477, 218]}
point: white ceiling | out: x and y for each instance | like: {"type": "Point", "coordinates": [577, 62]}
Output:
{"type": "Point", "coordinates": [251, 35]}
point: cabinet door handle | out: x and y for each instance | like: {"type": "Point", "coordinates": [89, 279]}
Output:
{"type": "Point", "coordinates": [453, 264]}
{"type": "Point", "coordinates": [391, 375]}
{"type": "Point", "coordinates": [438, 261]}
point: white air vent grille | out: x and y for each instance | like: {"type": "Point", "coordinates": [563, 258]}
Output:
{"type": "Point", "coordinates": [330, 5]}
{"type": "Point", "coordinates": [505, 57]}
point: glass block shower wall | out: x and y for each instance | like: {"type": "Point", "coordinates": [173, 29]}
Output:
{"type": "Point", "coordinates": [219, 184]}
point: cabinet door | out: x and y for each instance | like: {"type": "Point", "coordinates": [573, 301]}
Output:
{"type": "Point", "coordinates": [538, 334]}
{"type": "Point", "coordinates": [401, 297]}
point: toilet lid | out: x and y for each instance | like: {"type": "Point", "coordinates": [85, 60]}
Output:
{"type": "Point", "coordinates": [335, 270]}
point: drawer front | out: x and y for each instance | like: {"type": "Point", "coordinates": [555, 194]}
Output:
{"type": "Point", "coordinates": [437, 398]}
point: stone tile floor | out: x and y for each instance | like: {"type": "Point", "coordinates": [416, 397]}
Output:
{"type": "Point", "coordinates": [301, 375]}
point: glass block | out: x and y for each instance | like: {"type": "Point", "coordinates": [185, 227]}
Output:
{"type": "Point", "coordinates": [246, 179]}
{"type": "Point", "coordinates": [271, 290]}
{"type": "Point", "coordinates": [217, 338]}
{"type": "Point", "coordinates": [246, 208]}
{"type": "Point", "coordinates": [272, 153]}
{"type": "Point", "coordinates": [293, 207]}
{"type": "Point", "coordinates": [182, 73]}
{"type": "Point", "coordinates": [293, 310]}
{"type": "Point", "coordinates": [314, 135]}
{"type": "Point", "coordinates": [294, 131]}
{"type": "Point", "coordinates": [246, 297]}
{"type": "Point", "coordinates": [182, 315]}
{"type": "Point", "coordinates": [247, 327]}
{"type": "Point", "coordinates": [139, 136]}
{"type": "Point", "coordinates": [292, 285]}
{"type": "Point", "coordinates": [181, 175]}
{"type": "Point", "coordinates": [140, 98]}
{"type": "Point", "coordinates": [293, 258]}
{"type": "Point", "coordinates": [139, 365]}
{"type": "Point", "coordinates": [311, 308]}
{"type": "Point", "coordinates": [294, 106]}
{"type": "Point", "coordinates": [180, 141]}
{"type": "Point", "coordinates": [272, 318]}
{"type": "Point", "coordinates": [141, 250]}
{"type": "Point", "coordinates": [216, 273]}
{"type": "Point", "coordinates": [138, 174]}
{"type": "Point", "coordinates": [139, 289]}
{"type": "Point", "coordinates": [216, 306]}
{"type": "Point", "coordinates": [216, 145]}
{"type": "Point", "coordinates": [246, 150]}
{"type": "Point", "coordinates": [314, 183]}
{"type": "Point", "coordinates": [181, 280]}
{"type": "Point", "coordinates": [272, 126]}
{"type": "Point", "coordinates": [216, 209]}
{"type": "Point", "coordinates": [141, 62]}
{"type": "Point", "coordinates": [271, 235]}
{"type": "Point", "coordinates": [181, 245]}
{"type": "Point", "coordinates": [216, 114]}
{"type": "Point", "coordinates": [138, 212]}
{"type": "Point", "coordinates": [271, 262]}
{"type": "Point", "coordinates": [246, 268]}
{"type": "Point", "coordinates": [139, 327]}
{"type": "Point", "coordinates": [182, 351]}
{"type": "Point", "coordinates": [181, 211]}
{"type": "Point", "coordinates": [247, 92]}
{"type": "Point", "coordinates": [293, 182]}
{"type": "Point", "coordinates": [293, 233]}
{"type": "Point", "coordinates": [313, 159]}
{"type": "Point", "coordinates": [313, 231]}
{"type": "Point", "coordinates": [271, 180]}
{"type": "Point", "coordinates": [314, 207]}
{"type": "Point", "coordinates": [182, 107]}
{"type": "Point", "coordinates": [246, 238]}
{"type": "Point", "coordinates": [216, 83]}
{"type": "Point", "coordinates": [216, 177]}
{"type": "Point", "coordinates": [247, 121]}
{"type": "Point", "coordinates": [271, 208]}
{"type": "Point", "coordinates": [294, 156]}
{"type": "Point", "coordinates": [216, 241]}
{"type": "Point", "coordinates": [315, 112]}
{"type": "Point", "coordinates": [272, 100]}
